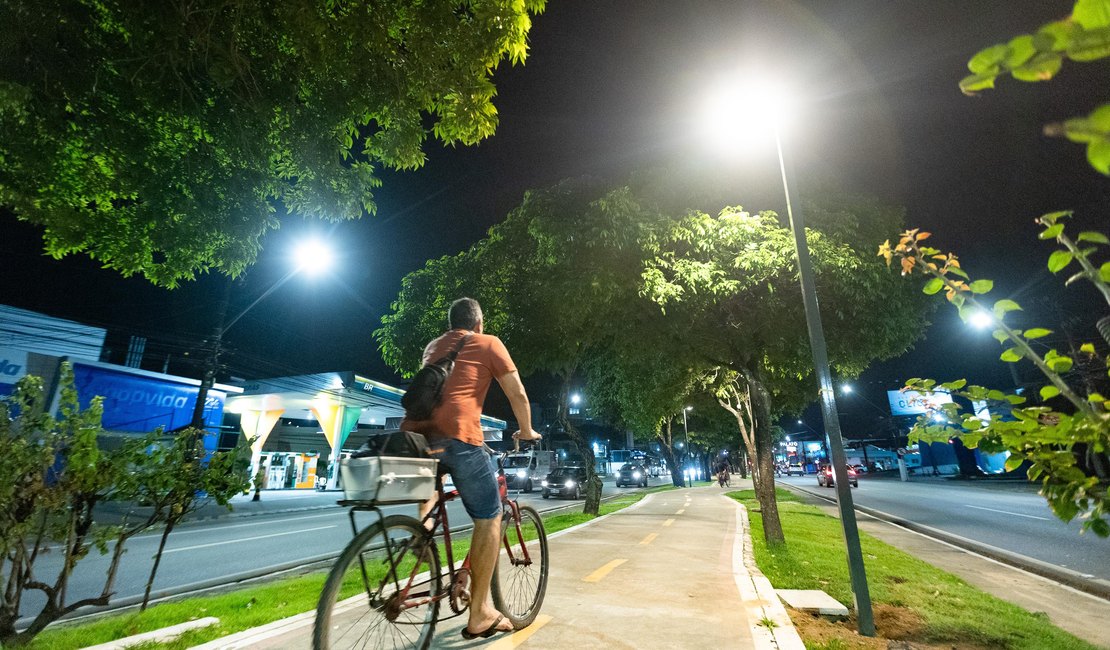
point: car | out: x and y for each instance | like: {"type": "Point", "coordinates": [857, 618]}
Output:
{"type": "Point", "coordinates": [825, 477]}
{"type": "Point", "coordinates": [795, 468]}
{"type": "Point", "coordinates": [564, 482]}
{"type": "Point", "coordinates": [632, 473]}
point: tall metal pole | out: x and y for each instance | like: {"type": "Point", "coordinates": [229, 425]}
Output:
{"type": "Point", "coordinates": [686, 430]}
{"type": "Point", "coordinates": [866, 621]}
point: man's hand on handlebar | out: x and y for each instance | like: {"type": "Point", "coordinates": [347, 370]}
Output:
{"type": "Point", "coordinates": [528, 436]}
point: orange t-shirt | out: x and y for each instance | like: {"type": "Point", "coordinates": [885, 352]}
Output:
{"type": "Point", "coordinates": [459, 414]}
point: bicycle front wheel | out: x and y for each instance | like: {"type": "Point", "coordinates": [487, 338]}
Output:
{"type": "Point", "coordinates": [520, 577]}
{"type": "Point", "coordinates": [383, 591]}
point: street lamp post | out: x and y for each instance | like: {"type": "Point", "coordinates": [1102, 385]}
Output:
{"type": "Point", "coordinates": [866, 622]}
{"type": "Point", "coordinates": [827, 394]}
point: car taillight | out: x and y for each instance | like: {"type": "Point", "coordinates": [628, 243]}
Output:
{"type": "Point", "coordinates": [829, 471]}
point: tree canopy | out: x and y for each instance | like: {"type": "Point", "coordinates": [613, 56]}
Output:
{"type": "Point", "coordinates": [161, 138]}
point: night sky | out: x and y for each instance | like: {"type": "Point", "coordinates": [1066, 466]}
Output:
{"type": "Point", "coordinates": [614, 86]}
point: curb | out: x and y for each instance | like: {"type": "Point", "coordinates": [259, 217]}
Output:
{"type": "Point", "coordinates": [164, 635]}
{"type": "Point", "coordinates": [761, 603]}
{"type": "Point", "coordinates": [1097, 587]}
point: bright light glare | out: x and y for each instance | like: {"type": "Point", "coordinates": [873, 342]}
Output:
{"type": "Point", "coordinates": [313, 257]}
{"type": "Point", "coordinates": [575, 398]}
{"type": "Point", "coordinates": [847, 388]}
{"type": "Point", "coordinates": [981, 320]}
{"type": "Point", "coordinates": [738, 114]}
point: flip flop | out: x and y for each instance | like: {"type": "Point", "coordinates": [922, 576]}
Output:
{"type": "Point", "coordinates": [486, 633]}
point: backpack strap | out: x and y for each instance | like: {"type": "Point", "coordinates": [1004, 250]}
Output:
{"type": "Point", "coordinates": [454, 354]}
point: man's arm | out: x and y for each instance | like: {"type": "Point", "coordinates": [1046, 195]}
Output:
{"type": "Point", "coordinates": [518, 399]}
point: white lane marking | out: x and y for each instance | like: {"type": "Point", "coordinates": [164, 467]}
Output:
{"type": "Point", "coordinates": [1006, 512]}
{"type": "Point", "coordinates": [246, 539]}
{"type": "Point", "coordinates": [217, 527]}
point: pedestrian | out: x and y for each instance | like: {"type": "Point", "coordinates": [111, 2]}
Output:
{"type": "Point", "coordinates": [455, 438]}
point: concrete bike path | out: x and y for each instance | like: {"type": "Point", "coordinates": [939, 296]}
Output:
{"type": "Point", "coordinates": [663, 573]}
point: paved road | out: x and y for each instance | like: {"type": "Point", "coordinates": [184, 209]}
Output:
{"type": "Point", "coordinates": [1008, 515]}
{"type": "Point", "coordinates": [272, 537]}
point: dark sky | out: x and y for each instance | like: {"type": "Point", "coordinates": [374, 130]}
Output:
{"type": "Point", "coordinates": [613, 86]}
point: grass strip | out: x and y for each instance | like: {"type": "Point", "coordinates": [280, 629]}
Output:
{"type": "Point", "coordinates": [256, 605]}
{"type": "Point", "coordinates": [945, 609]}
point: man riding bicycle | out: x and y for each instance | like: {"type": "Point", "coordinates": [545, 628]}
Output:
{"type": "Point", "coordinates": [455, 438]}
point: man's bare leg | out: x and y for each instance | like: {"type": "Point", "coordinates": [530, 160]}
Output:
{"type": "Point", "coordinates": [484, 547]}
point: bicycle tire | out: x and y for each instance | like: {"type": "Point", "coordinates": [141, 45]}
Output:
{"type": "Point", "coordinates": [518, 589]}
{"type": "Point", "coordinates": [365, 559]}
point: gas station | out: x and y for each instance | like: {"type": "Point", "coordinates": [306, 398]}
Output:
{"type": "Point", "coordinates": [297, 423]}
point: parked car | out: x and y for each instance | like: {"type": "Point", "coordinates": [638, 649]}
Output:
{"type": "Point", "coordinates": [795, 468]}
{"type": "Point", "coordinates": [632, 473]}
{"type": "Point", "coordinates": [564, 482]}
{"type": "Point", "coordinates": [825, 476]}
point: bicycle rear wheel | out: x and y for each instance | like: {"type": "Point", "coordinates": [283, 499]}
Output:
{"type": "Point", "coordinates": [382, 591]}
{"type": "Point", "coordinates": [520, 577]}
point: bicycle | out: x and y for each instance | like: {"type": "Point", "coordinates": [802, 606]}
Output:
{"type": "Point", "coordinates": [387, 585]}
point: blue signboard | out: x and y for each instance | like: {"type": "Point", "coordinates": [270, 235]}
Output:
{"type": "Point", "coordinates": [141, 403]}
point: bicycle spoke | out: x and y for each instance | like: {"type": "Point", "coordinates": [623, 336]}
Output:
{"type": "Point", "coordinates": [520, 585]}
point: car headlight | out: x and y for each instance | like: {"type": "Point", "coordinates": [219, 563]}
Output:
{"type": "Point", "coordinates": [569, 483]}
{"type": "Point", "coordinates": [543, 483]}
{"type": "Point", "coordinates": [520, 473]}
{"type": "Point", "coordinates": [635, 475]}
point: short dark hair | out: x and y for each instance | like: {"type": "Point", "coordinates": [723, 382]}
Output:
{"type": "Point", "coordinates": [465, 313]}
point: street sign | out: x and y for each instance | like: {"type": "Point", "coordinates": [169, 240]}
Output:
{"type": "Point", "coordinates": [912, 402]}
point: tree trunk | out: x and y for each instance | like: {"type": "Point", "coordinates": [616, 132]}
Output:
{"type": "Point", "coordinates": [764, 473]}
{"type": "Point", "coordinates": [743, 463]}
{"type": "Point", "coordinates": [593, 482]}
{"type": "Point", "coordinates": [157, 560]}
{"type": "Point", "coordinates": [667, 445]}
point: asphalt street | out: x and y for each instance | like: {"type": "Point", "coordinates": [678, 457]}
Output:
{"type": "Point", "coordinates": [1006, 514]}
{"type": "Point", "coordinates": [286, 528]}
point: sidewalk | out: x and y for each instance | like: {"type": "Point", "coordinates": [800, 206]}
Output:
{"type": "Point", "coordinates": [668, 572]}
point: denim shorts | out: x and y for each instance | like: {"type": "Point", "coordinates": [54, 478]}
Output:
{"type": "Point", "coordinates": [474, 472]}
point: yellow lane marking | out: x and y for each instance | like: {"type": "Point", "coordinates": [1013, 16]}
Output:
{"type": "Point", "coordinates": [520, 636]}
{"type": "Point", "coordinates": [596, 576]}
{"type": "Point", "coordinates": [649, 539]}
{"type": "Point", "coordinates": [681, 511]}
{"type": "Point", "coordinates": [668, 522]}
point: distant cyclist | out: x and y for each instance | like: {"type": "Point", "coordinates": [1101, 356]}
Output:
{"type": "Point", "coordinates": [454, 435]}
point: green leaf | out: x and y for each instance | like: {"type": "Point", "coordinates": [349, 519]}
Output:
{"type": "Point", "coordinates": [1005, 305]}
{"type": "Point", "coordinates": [1092, 14]}
{"type": "Point", "coordinates": [1088, 348]}
{"type": "Point", "coordinates": [1055, 37]}
{"type": "Point", "coordinates": [972, 84]}
{"type": "Point", "coordinates": [1098, 155]}
{"type": "Point", "coordinates": [1036, 333]}
{"type": "Point", "coordinates": [1041, 68]}
{"type": "Point", "coordinates": [1089, 45]}
{"type": "Point", "coordinates": [1049, 391]}
{"type": "Point", "coordinates": [954, 385]}
{"type": "Point", "coordinates": [989, 60]}
{"type": "Point", "coordinates": [1010, 355]}
{"type": "Point", "coordinates": [958, 271]}
{"type": "Point", "coordinates": [1000, 336]}
{"type": "Point", "coordinates": [1014, 462]}
{"type": "Point", "coordinates": [1104, 272]}
{"type": "Point", "coordinates": [1021, 50]}
{"type": "Point", "coordinates": [1052, 232]}
{"type": "Point", "coordinates": [981, 286]}
{"type": "Point", "coordinates": [1059, 260]}
{"type": "Point", "coordinates": [1059, 364]}
{"type": "Point", "coordinates": [933, 286]}
{"type": "Point", "coordinates": [1052, 217]}
{"type": "Point", "coordinates": [1093, 236]}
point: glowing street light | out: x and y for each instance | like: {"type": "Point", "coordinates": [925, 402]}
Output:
{"type": "Point", "coordinates": [735, 111]}
{"type": "Point", "coordinates": [847, 388]}
{"type": "Point", "coordinates": [575, 399]}
{"type": "Point", "coordinates": [981, 320]}
{"type": "Point", "coordinates": [313, 257]}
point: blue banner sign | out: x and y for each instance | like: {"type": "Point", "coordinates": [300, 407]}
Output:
{"type": "Point", "coordinates": [141, 403]}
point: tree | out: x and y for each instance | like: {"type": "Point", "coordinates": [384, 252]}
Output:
{"type": "Point", "coordinates": [1083, 36]}
{"type": "Point", "coordinates": [160, 137]}
{"type": "Point", "coordinates": [1066, 438]}
{"type": "Point", "coordinates": [56, 474]}
{"type": "Point", "coordinates": [554, 278]}
{"type": "Point", "coordinates": [728, 284]}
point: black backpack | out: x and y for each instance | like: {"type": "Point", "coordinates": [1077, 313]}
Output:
{"type": "Point", "coordinates": [394, 443]}
{"type": "Point", "coordinates": [426, 390]}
